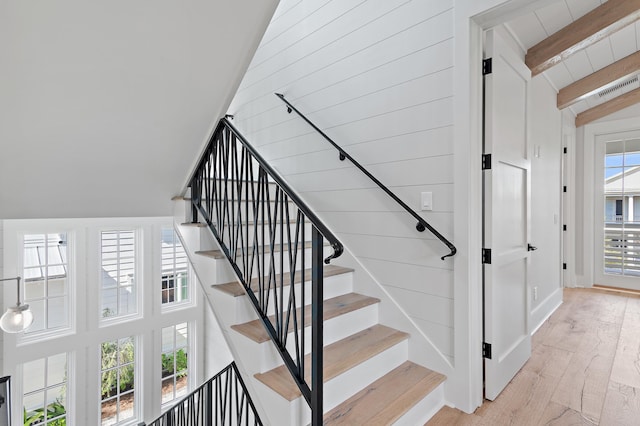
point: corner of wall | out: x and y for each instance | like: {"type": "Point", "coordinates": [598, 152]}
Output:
{"type": "Point", "coordinates": [2, 295]}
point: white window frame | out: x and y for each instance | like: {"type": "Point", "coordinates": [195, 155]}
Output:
{"type": "Point", "coordinates": [70, 385]}
{"type": "Point", "coordinates": [138, 381]}
{"type": "Point", "coordinates": [45, 334]}
{"type": "Point", "coordinates": [83, 341]}
{"type": "Point", "coordinates": [138, 235]}
{"type": "Point", "coordinates": [190, 361]}
{"type": "Point", "coordinates": [600, 276]}
{"type": "Point", "coordinates": [189, 301]}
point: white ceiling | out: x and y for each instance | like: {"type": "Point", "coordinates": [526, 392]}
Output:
{"type": "Point", "coordinates": [533, 27]}
{"type": "Point", "coordinates": [105, 106]}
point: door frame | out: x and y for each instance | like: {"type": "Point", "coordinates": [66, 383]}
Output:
{"type": "Point", "coordinates": [472, 18]}
{"type": "Point", "coordinates": [591, 132]}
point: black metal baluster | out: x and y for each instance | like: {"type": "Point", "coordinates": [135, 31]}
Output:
{"type": "Point", "coordinates": [317, 347]}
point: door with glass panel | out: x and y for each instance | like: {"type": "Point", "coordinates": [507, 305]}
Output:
{"type": "Point", "coordinates": [617, 204]}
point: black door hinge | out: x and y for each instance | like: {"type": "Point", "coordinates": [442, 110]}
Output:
{"type": "Point", "coordinates": [486, 256]}
{"type": "Point", "coordinates": [564, 266]}
{"type": "Point", "coordinates": [564, 188]}
{"type": "Point", "coordinates": [486, 161]}
{"type": "Point", "coordinates": [486, 350]}
{"type": "Point", "coordinates": [486, 66]}
{"type": "Point", "coordinates": [564, 227]}
{"type": "Point", "coordinates": [564, 150]}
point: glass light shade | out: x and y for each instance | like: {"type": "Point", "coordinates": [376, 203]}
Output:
{"type": "Point", "coordinates": [16, 319]}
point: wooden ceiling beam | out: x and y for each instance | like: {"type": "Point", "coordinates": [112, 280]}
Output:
{"type": "Point", "coordinates": [609, 107]}
{"type": "Point", "coordinates": [600, 80]}
{"type": "Point", "coordinates": [599, 23]}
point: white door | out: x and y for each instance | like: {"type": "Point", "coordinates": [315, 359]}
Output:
{"type": "Point", "coordinates": [506, 215]}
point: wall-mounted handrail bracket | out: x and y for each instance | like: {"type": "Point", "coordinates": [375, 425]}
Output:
{"type": "Point", "coordinates": [422, 224]}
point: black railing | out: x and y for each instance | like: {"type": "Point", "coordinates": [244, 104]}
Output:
{"type": "Point", "coordinates": [222, 400]}
{"type": "Point", "coordinates": [261, 226]}
{"type": "Point", "coordinates": [421, 225]}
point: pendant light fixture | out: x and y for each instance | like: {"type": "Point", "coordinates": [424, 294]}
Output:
{"type": "Point", "coordinates": [17, 318]}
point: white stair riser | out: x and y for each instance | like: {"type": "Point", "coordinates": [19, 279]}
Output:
{"type": "Point", "coordinates": [262, 233]}
{"type": "Point", "coordinates": [232, 189]}
{"type": "Point", "coordinates": [421, 412]}
{"type": "Point", "coordinates": [350, 382]}
{"type": "Point", "coordinates": [335, 329]}
{"type": "Point", "coordinates": [335, 285]}
{"type": "Point", "coordinates": [341, 387]}
{"type": "Point", "coordinates": [222, 269]}
{"type": "Point", "coordinates": [281, 411]}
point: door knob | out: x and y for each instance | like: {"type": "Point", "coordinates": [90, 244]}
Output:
{"type": "Point", "coordinates": [531, 248]}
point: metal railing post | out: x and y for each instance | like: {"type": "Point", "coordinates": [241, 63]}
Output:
{"type": "Point", "coordinates": [208, 409]}
{"type": "Point", "coordinates": [317, 346]}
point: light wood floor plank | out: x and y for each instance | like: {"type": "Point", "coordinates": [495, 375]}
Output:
{"type": "Point", "coordinates": [584, 369]}
{"type": "Point", "coordinates": [626, 366]}
{"type": "Point", "coordinates": [559, 415]}
{"type": "Point", "coordinates": [622, 406]}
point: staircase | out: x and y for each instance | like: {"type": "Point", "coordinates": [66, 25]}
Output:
{"type": "Point", "coordinates": [368, 377]}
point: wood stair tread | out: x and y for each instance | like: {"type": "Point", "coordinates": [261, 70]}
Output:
{"type": "Point", "coordinates": [218, 254]}
{"type": "Point", "coordinates": [388, 398]}
{"type": "Point", "coordinates": [195, 224]}
{"type": "Point", "coordinates": [235, 289]}
{"type": "Point", "coordinates": [332, 308]}
{"type": "Point", "coordinates": [338, 358]}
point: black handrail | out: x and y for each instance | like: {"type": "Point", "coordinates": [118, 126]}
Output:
{"type": "Point", "coordinates": [247, 206]}
{"type": "Point", "coordinates": [421, 225]}
{"type": "Point", "coordinates": [222, 400]}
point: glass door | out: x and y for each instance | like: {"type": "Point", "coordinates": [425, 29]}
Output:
{"type": "Point", "coordinates": [618, 210]}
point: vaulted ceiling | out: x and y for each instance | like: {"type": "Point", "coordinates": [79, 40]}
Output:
{"type": "Point", "coordinates": [105, 105]}
{"type": "Point", "coordinates": [588, 49]}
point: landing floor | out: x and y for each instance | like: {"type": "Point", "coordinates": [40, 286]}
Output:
{"type": "Point", "coordinates": [584, 369]}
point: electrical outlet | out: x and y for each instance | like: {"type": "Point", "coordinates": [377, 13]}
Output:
{"type": "Point", "coordinates": [535, 293]}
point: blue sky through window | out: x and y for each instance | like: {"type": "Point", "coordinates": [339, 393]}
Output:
{"type": "Point", "coordinates": [614, 162]}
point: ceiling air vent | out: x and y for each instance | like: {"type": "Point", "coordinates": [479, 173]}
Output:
{"type": "Point", "coordinates": [618, 86]}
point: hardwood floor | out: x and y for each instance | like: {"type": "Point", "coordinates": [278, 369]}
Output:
{"type": "Point", "coordinates": [584, 369]}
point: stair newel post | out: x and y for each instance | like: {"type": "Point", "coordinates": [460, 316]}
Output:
{"type": "Point", "coordinates": [317, 345]}
{"type": "Point", "coordinates": [195, 199]}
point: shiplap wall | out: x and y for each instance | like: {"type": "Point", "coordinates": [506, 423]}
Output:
{"type": "Point", "coordinates": [2, 296]}
{"type": "Point", "coordinates": [376, 76]}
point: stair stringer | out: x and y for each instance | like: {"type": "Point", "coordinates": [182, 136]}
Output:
{"type": "Point", "coordinates": [202, 267]}
{"type": "Point", "coordinates": [420, 349]}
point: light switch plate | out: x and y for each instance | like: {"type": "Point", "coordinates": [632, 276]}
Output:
{"type": "Point", "coordinates": [426, 201]}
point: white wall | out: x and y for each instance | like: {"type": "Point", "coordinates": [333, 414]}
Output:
{"type": "Point", "coordinates": [379, 78]}
{"type": "Point", "coordinates": [110, 103]}
{"type": "Point", "coordinates": [2, 295]}
{"type": "Point", "coordinates": [545, 286]}
{"type": "Point", "coordinates": [376, 76]}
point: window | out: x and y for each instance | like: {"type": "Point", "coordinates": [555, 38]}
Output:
{"type": "Point", "coordinates": [175, 344]}
{"type": "Point", "coordinates": [46, 282]}
{"type": "Point", "coordinates": [175, 276]}
{"type": "Point", "coordinates": [118, 262]}
{"type": "Point", "coordinates": [45, 391]}
{"type": "Point", "coordinates": [622, 207]}
{"type": "Point", "coordinates": [117, 381]}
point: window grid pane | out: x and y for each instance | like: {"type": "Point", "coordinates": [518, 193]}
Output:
{"type": "Point", "coordinates": [117, 378]}
{"type": "Point", "coordinates": [46, 287]}
{"type": "Point", "coordinates": [45, 383]}
{"type": "Point", "coordinates": [175, 266]}
{"type": "Point", "coordinates": [118, 262]}
{"type": "Point", "coordinates": [622, 208]}
{"type": "Point", "coordinates": [174, 374]}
